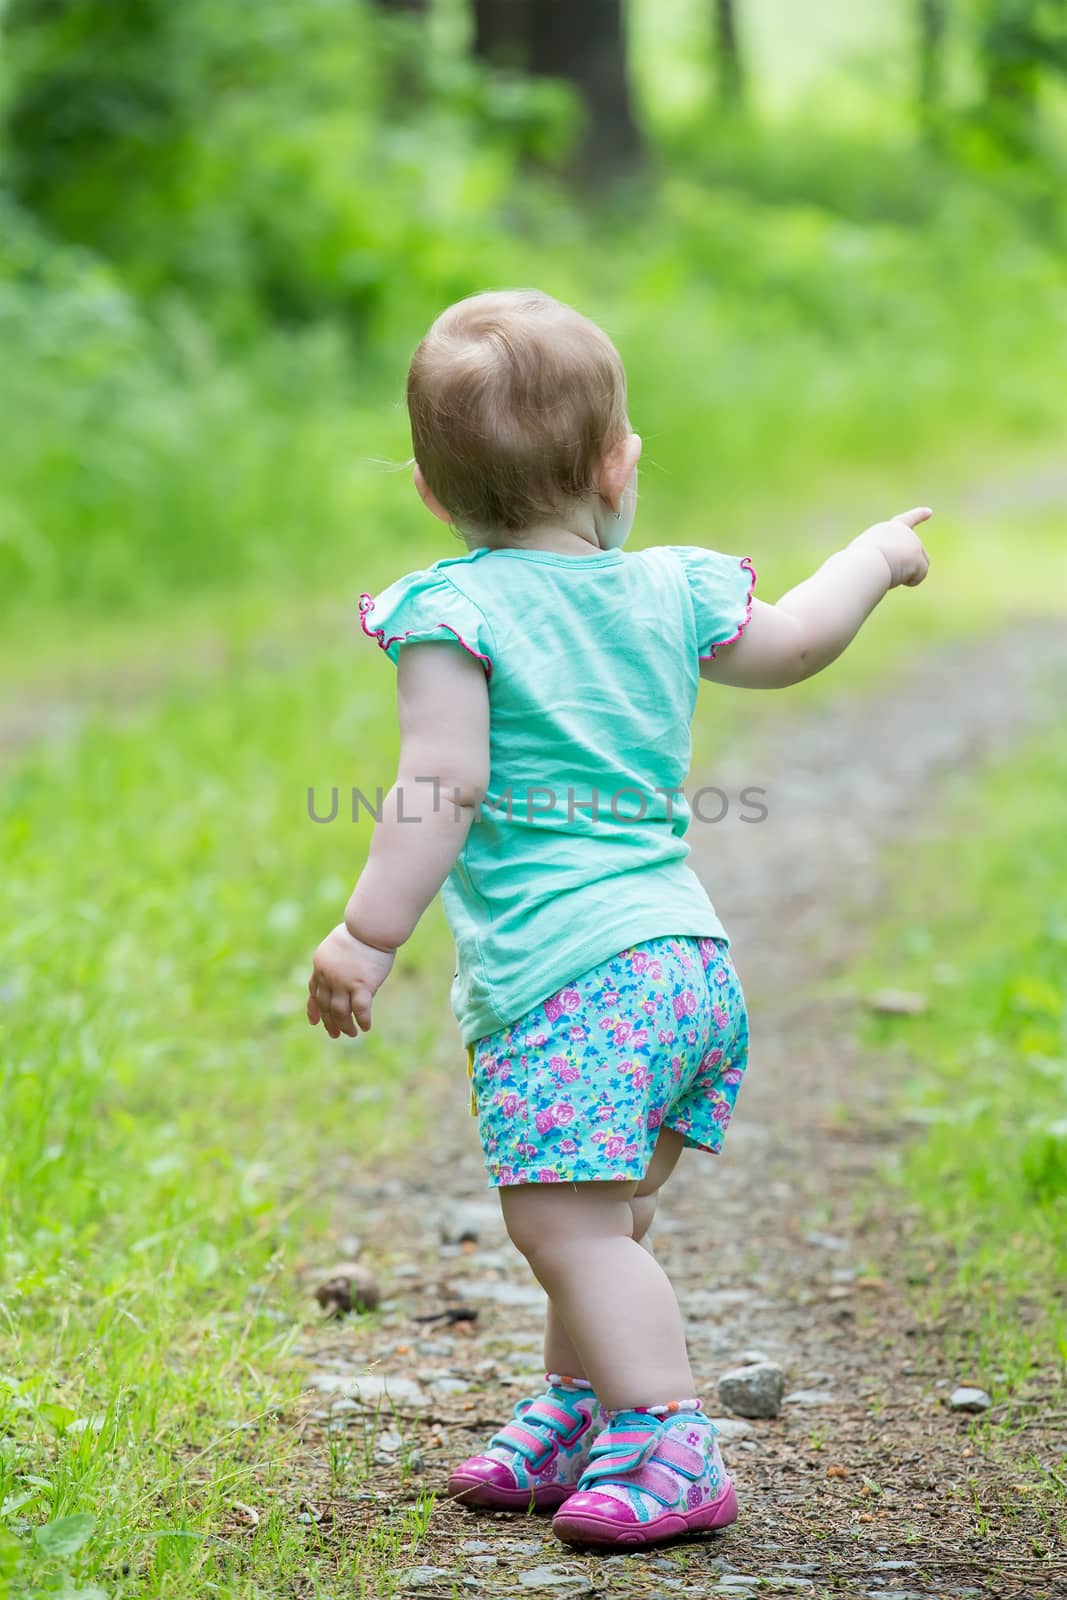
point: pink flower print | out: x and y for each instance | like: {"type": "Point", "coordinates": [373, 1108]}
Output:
{"type": "Point", "coordinates": [639, 1038]}
{"type": "Point", "coordinates": [603, 1113]}
{"type": "Point", "coordinates": [610, 997]}
{"type": "Point", "coordinates": [694, 1494]}
{"type": "Point", "coordinates": [655, 971]}
{"type": "Point", "coordinates": [544, 1121]}
{"type": "Point", "coordinates": [570, 999]}
{"type": "Point", "coordinates": [538, 1040]}
{"type": "Point", "coordinates": [526, 1150]}
{"type": "Point", "coordinates": [553, 1008]}
{"type": "Point", "coordinates": [733, 1076]}
{"type": "Point", "coordinates": [692, 1437]}
{"type": "Point", "coordinates": [722, 976]}
{"type": "Point", "coordinates": [556, 1065]}
{"type": "Point", "coordinates": [655, 1117]}
{"type": "Point", "coordinates": [614, 1146]}
{"type": "Point", "coordinates": [639, 961]}
{"type": "Point", "coordinates": [649, 1006]}
{"type": "Point", "coordinates": [522, 1175]}
{"type": "Point", "coordinates": [562, 1113]}
{"type": "Point", "coordinates": [522, 1107]}
{"type": "Point", "coordinates": [642, 1077]}
{"type": "Point", "coordinates": [577, 1032]}
{"type": "Point", "coordinates": [629, 1151]}
{"type": "Point", "coordinates": [569, 1074]}
{"type": "Point", "coordinates": [509, 1105]}
{"type": "Point", "coordinates": [548, 1175]}
{"type": "Point", "coordinates": [684, 1004]}
{"type": "Point", "coordinates": [623, 1031]}
{"type": "Point", "coordinates": [721, 1015]}
{"type": "Point", "coordinates": [505, 1173]}
{"type": "Point", "coordinates": [712, 1059]}
{"type": "Point", "coordinates": [721, 1113]}
{"type": "Point", "coordinates": [568, 1147]}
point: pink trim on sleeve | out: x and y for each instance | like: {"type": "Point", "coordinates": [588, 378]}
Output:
{"type": "Point", "coordinates": [745, 620]}
{"type": "Point", "coordinates": [366, 604]}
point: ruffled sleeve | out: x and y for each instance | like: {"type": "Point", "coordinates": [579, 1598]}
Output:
{"type": "Point", "coordinates": [423, 608]}
{"type": "Point", "coordinates": [721, 588]}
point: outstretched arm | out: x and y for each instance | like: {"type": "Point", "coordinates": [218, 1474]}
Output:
{"type": "Point", "coordinates": [442, 777]}
{"type": "Point", "coordinates": [812, 624]}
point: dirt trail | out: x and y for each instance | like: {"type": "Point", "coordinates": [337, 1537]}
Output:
{"type": "Point", "coordinates": [764, 1246]}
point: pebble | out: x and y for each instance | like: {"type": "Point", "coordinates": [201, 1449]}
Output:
{"type": "Point", "coordinates": [754, 1391]}
{"type": "Point", "coordinates": [966, 1399]}
{"type": "Point", "coordinates": [422, 1577]}
{"type": "Point", "coordinates": [809, 1397]}
{"type": "Point", "coordinates": [502, 1292]}
{"type": "Point", "coordinates": [752, 1358]}
{"type": "Point", "coordinates": [556, 1578]}
{"type": "Point", "coordinates": [475, 1547]}
{"type": "Point", "coordinates": [449, 1386]}
{"type": "Point", "coordinates": [730, 1427]}
{"type": "Point", "coordinates": [368, 1388]}
{"type": "Point", "coordinates": [469, 1221]}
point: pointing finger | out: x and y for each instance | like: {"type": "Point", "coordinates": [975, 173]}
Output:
{"type": "Point", "coordinates": [914, 517]}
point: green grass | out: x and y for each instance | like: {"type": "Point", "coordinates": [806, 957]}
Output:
{"type": "Point", "coordinates": [173, 1133]}
{"type": "Point", "coordinates": [979, 926]}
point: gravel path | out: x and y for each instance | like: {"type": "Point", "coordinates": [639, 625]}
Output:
{"type": "Point", "coordinates": [866, 1484]}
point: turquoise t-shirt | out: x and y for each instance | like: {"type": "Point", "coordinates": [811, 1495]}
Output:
{"type": "Point", "coordinates": [592, 663]}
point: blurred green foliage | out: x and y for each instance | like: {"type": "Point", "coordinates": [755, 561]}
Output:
{"type": "Point", "coordinates": [224, 227]}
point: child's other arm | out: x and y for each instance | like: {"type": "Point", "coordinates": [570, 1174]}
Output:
{"type": "Point", "coordinates": [442, 777]}
{"type": "Point", "coordinates": [812, 624]}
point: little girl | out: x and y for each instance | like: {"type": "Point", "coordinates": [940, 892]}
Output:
{"type": "Point", "coordinates": [546, 685]}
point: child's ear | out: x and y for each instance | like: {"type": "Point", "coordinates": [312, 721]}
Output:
{"type": "Point", "coordinates": [617, 468]}
{"type": "Point", "coordinates": [428, 498]}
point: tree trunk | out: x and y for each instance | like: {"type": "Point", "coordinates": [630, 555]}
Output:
{"type": "Point", "coordinates": [584, 42]}
{"type": "Point", "coordinates": [730, 67]}
{"type": "Point", "coordinates": [502, 33]}
{"type": "Point", "coordinates": [932, 20]}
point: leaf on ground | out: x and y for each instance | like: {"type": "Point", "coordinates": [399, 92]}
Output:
{"type": "Point", "coordinates": [66, 1535]}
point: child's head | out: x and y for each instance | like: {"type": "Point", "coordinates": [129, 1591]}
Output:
{"type": "Point", "coordinates": [518, 417]}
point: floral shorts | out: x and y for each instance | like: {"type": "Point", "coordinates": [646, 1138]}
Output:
{"type": "Point", "coordinates": [578, 1088]}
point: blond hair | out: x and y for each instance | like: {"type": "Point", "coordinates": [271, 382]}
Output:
{"type": "Point", "coordinates": [513, 398]}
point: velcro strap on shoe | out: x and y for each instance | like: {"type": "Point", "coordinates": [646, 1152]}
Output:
{"type": "Point", "coordinates": [620, 1450]}
{"type": "Point", "coordinates": [655, 1480]}
{"type": "Point", "coordinates": [568, 1425]}
{"type": "Point", "coordinates": [682, 1457]}
{"type": "Point", "coordinates": [532, 1446]}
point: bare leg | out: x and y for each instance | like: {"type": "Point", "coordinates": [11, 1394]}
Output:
{"type": "Point", "coordinates": [610, 1295]}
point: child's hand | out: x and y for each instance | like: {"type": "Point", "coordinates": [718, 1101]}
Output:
{"type": "Point", "coordinates": [904, 551]}
{"type": "Point", "coordinates": [346, 976]}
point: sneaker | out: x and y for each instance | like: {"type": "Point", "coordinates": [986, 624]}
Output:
{"type": "Point", "coordinates": [649, 1478]}
{"type": "Point", "coordinates": [535, 1461]}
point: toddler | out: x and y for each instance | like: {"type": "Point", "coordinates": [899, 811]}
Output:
{"type": "Point", "coordinates": [546, 684]}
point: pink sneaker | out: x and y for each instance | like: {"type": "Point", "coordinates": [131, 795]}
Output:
{"type": "Point", "coordinates": [535, 1461]}
{"type": "Point", "coordinates": [649, 1478]}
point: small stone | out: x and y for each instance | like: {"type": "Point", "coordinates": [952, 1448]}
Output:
{"type": "Point", "coordinates": [730, 1427]}
{"type": "Point", "coordinates": [897, 1003]}
{"type": "Point", "coordinates": [503, 1292]}
{"type": "Point", "coordinates": [752, 1358]}
{"type": "Point", "coordinates": [449, 1386]}
{"type": "Point", "coordinates": [469, 1221]}
{"type": "Point", "coordinates": [423, 1577]}
{"type": "Point", "coordinates": [556, 1578]}
{"type": "Point", "coordinates": [348, 1287]}
{"type": "Point", "coordinates": [809, 1397]}
{"type": "Point", "coordinates": [971, 1400]}
{"type": "Point", "coordinates": [475, 1547]}
{"type": "Point", "coordinates": [368, 1389]}
{"type": "Point", "coordinates": [754, 1391]}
